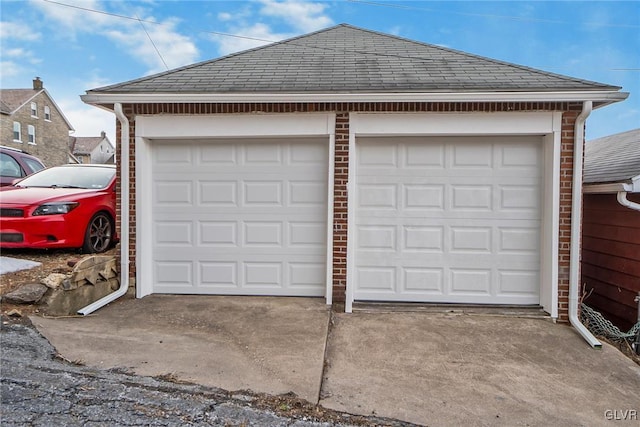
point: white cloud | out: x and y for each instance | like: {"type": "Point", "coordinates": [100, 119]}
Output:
{"type": "Point", "coordinates": [15, 52]}
{"type": "Point", "coordinates": [18, 31]}
{"type": "Point", "coordinates": [77, 17]}
{"type": "Point", "coordinates": [302, 15]}
{"type": "Point", "coordinates": [172, 48]}
{"type": "Point", "coordinates": [132, 36]}
{"type": "Point", "coordinates": [10, 69]}
{"type": "Point", "coordinates": [224, 16]}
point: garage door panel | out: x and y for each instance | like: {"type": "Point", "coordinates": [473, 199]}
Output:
{"type": "Point", "coordinates": [306, 193]}
{"type": "Point", "coordinates": [173, 193]}
{"type": "Point", "coordinates": [523, 283]}
{"type": "Point", "coordinates": [468, 281]}
{"type": "Point", "coordinates": [468, 155]}
{"type": "Point", "coordinates": [422, 280]}
{"type": "Point", "coordinates": [448, 220]}
{"type": "Point", "coordinates": [173, 233]}
{"type": "Point", "coordinates": [376, 279]}
{"type": "Point", "coordinates": [218, 193]}
{"type": "Point", "coordinates": [428, 238]}
{"type": "Point", "coordinates": [240, 217]}
{"type": "Point", "coordinates": [423, 196]}
{"type": "Point", "coordinates": [174, 273]}
{"type": "Point", "coordinates": [519, 240]}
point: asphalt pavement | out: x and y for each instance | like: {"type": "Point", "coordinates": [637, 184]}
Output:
{"type": "Point", "coordinates": [39, 388]}
{"type": "Point", "coordinates": [432, 366]}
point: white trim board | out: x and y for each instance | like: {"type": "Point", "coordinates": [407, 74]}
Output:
{"type": "Point", "coordinates": [603, 96]}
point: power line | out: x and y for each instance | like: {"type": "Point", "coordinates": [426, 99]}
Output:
{"type": "Point", "coordinates": [484, 15]}
{"type": "Point", "coordinates": [398, 6]}
{"type": "Point", "coordinates": [154, 45]}
{"type": "Point", "coordinates": [115, 15]}
{"type": "Point", "coordinates": [325, 48]}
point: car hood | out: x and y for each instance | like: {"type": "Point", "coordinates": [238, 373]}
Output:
{"type": "Point", "coordinates": [33, 195]}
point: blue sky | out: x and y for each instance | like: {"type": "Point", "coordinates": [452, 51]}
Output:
{"type": "Point", "coordinates": [77, 45]}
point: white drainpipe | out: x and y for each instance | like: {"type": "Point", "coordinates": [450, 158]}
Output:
{"type": "Point", "coordinates": [622, 199]}
{"type": "Point", "coordinates": [124, 217]}
{"type": "Point", "coordinates": [576, 220]}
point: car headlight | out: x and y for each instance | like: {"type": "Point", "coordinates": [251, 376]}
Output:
{"type": "Point", "coordinates": [55, 208]}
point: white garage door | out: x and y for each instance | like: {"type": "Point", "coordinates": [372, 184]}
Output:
{"type": "Point", "coordinates": [448, 219]}
{"type": "Point", "coordinates": [244, 217]}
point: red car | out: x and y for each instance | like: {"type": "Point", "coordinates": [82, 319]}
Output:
{"type": "Point", "coordinates": [70, 206]}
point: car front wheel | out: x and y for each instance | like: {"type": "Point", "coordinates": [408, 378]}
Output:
{"type": "Point", "coordinates": [99, 234]}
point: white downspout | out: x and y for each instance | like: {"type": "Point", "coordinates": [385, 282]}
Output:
{"type": "Point", "coordinates": [124, 217]}
{"type": "Point", "coordinates": [576, 222]}
{"type": "Point", "coordinates": [622, 199]}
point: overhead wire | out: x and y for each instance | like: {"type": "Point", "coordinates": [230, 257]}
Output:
{"type": "Point", "coordinates": [154, 45]}
{"type": "Point", "coordinates": [487, 15]}
{"type": "Point", "coordinates": [367, 2]}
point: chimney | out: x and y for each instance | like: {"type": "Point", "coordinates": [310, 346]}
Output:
{"type": "Point", "coordinates": [37, 83]}
{"type": "Point", "coordinates": [103, 134]}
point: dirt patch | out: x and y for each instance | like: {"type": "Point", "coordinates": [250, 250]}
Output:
{"type": "Point", "coordinates": [625, 348]}
{"type": "Point", "coordinates": [51, 261]}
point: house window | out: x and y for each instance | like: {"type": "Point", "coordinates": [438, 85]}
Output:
{"type": "Point", "coordinates": [47, 113]}
{"type": "Point", "coordinates": [17, 132]}
{"type": "Point", "coordinates": [32, 134]}
{"type": "Point", "coordinates": [34, 110]}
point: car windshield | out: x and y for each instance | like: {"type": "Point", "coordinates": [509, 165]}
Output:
{"type": "Point", "coordinates": [70, 177]}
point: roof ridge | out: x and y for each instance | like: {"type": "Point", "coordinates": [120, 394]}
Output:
{"type": "Point", "coordinates": [372, 60]}
{"type": "Point", "coordinates": [476, 56]}
{"type": "Point", "coordinates": [212, 60]}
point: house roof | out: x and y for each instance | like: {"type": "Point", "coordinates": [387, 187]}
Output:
{"type": "Point", "coordinates": [350, 60]}
{"type": "Point", "coordinates": [84, 144]}
{"type": "Point", "coordinates": [613, 158]}
{"type": "Point", "coordinates": [12, 99]}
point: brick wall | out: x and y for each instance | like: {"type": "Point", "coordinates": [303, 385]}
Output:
{"type": "Point", "coordinates": [342, 111]}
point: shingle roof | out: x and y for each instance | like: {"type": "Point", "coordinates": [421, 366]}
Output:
{"type": "Point", "coordinates": [613, 158]}
{"type": "Point", "coordinates": [346, 59]}
{"type": "Point", "coordinates": [12, 99]}
{"type": "Point", "coordinates": [84, 144]}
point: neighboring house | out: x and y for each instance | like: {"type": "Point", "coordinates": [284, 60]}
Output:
{"type": "Point", "coordinates": [31, 121]}
{"type": "Point", "coordinates": [92, 149]}
{"type": "Point", "coordinates": [611, 226]}
{"type": "Point", "coordinates": [355, 166]}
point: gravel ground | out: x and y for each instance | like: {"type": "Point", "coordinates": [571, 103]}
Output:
{"type": "Point", "coordinates": [38, 388]}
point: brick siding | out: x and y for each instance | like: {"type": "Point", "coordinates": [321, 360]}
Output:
{"type": "Point", "coordinates": [342, 110]}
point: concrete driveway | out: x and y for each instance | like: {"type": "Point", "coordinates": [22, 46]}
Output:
{"type": "Point", "coordinates": [429, 368]}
